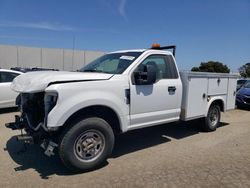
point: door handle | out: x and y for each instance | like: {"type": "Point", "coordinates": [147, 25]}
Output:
{"type": "Point", "coordinates": [171, 89]}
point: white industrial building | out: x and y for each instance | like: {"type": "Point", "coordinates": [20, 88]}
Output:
{"type": "Point", "coordinates": [28, 57]}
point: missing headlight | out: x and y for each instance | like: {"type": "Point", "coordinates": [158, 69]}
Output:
{"type": "Point", "coordinates": [50, 100]}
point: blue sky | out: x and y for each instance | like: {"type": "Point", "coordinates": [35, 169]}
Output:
{"type": "Point", "coordinates": [216, 30]}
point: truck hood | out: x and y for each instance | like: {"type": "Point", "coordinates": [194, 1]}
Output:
{"type": "Point", "coordinates": [244, 91]}
{"type": "Point", "coordinates": [39, 80]}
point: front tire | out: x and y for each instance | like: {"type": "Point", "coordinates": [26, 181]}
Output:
{"type": "Point", "coordinates": [212, 120]}
{"type": "Point", "coordinates": [87, 144]}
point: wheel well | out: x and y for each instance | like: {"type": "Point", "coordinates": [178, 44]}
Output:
{"type": "Point", "coordinates": [103, 112]}
{"type": "Point", "coordinates": [219, 103]}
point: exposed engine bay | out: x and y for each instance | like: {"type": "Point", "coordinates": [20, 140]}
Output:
{"type": "Point", "coordinates": [34, 108]}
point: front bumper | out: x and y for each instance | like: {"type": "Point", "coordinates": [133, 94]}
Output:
{"type": "Point", "coordinates": [30, 136]}
{"type": "Point", "coordinates": [243, 100]}
{"type": "Point", "coordinates": [41, 136]}
{"type": "Point", "coordinates": [18, 124]}
{"type": "Point", "coordinates": [32, 121]}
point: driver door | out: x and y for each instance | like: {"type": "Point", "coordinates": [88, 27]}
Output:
{"type": "Point", "coordinates": [159, 102]}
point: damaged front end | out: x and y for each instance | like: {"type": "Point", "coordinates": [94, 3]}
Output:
{"type": "Point", "coordinates": [35, 108]}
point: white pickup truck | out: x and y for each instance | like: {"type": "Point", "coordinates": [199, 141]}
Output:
{"type": "Point", "coordinates": [79, 113]}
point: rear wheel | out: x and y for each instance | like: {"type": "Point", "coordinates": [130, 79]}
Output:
{"type": "Point", "coordinates": [213, 118]}
{"type": "Point", "coordinates": [86, 144]}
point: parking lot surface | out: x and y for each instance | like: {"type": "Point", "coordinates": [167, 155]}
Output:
{"type": "Point", "coordinates": [173, 155]}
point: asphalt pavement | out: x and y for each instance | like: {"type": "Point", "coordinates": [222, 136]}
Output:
{"type": "Point", "coordinates": [171, 155]}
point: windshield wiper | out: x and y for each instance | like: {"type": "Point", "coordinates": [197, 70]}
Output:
{"type": "Point", "coordinates": [92, 70]}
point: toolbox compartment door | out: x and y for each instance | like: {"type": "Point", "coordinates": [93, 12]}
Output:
{"type": "Point", "coordinates": [194, 99]}
{"type": "Point", "coordinates": [231, 93]}
{"type": "Point", "coordinates": [217, 86]}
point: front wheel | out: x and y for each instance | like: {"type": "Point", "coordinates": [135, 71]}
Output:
{"type": "Point", "coordinates": [87, 144]}
{"type": "Point", "coordinates": [213, 118]}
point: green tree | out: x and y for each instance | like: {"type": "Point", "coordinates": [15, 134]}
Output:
{"type": "Point", "coordinates": [211, 66]}
{"type": "Point", "coordinates": [244, 70]}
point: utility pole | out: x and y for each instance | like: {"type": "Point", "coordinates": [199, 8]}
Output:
{"type": "Point", "coordinates": [73, 52]}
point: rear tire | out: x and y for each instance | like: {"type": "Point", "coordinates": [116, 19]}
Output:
{"type": "Point", "coordinates": [86, 145]}
{"type": "Point", "coordinates": [212, 120]}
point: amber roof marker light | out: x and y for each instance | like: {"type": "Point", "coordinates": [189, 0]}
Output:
{"type": "Point", "coordinates": [157, 46]}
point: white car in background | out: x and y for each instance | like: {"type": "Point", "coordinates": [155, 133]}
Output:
{"type": "Point", "coordinates": [7, 95]}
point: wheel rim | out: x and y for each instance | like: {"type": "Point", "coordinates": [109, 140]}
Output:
{"type": "Point", "coordinates": [89, 145]}
{"type": "Point", "coordinates": [214, 117]}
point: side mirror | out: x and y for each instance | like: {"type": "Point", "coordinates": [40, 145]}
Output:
{"type": "Point", "coordinates": [145, 75]}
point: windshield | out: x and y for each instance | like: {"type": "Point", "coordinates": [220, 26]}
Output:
{"type": "Point", "coordinates": [114, 63]}
{"type": "Point", "coordinates": [241, 82]}
{"type": "Point", "coordinates": [247, 84]}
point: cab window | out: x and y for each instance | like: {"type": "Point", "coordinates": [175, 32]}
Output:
{"type": "Point", "coordinates": [165, 66]}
